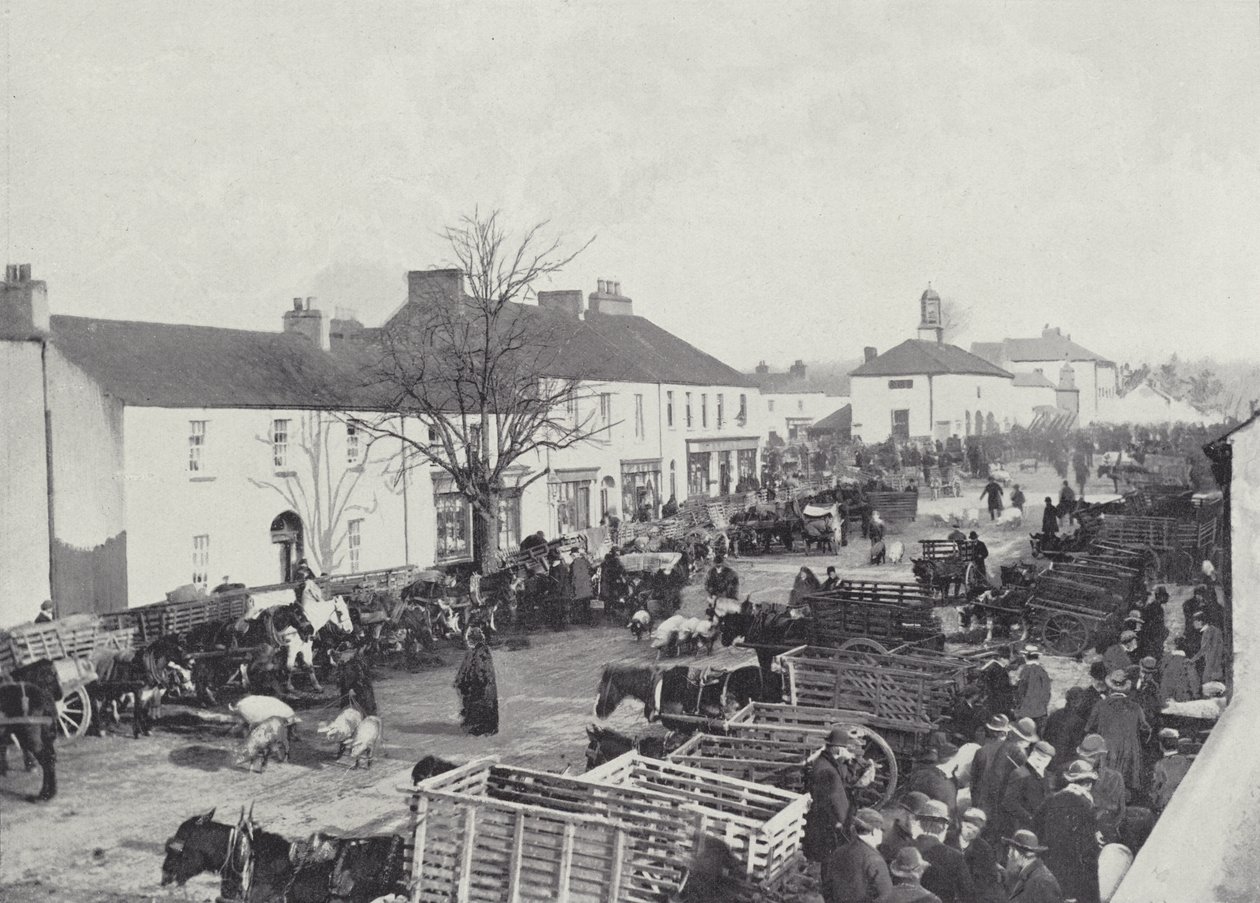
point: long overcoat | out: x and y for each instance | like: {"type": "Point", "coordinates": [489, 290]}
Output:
{"type": "Point", "coordinates": [1120, 721]}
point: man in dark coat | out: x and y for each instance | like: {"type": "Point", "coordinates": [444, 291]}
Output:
{"type": "Point", "coordinates": [1018, 500]}
{"type": "Point", "coordinates": [1123, 655]}
{"type": "Point", "coordinates": [996, 731]}
{"type": "Point", "coordinates": [907, 869]}
{"type": "Point", "coordinates": [45, 612]}
{"type": "Point", "coordinates": [855, 872]}
{"type": "Point", "coordinates": [1109, 794]}
{"type": "Point", "coordinates": [992, 493]}
{"type": "Point", "coordinates": [979, 552]}
{"type": "Point", "coordinates": [1210, 659]}
{"type": "Point", "coordinates": [1066, 825]}
{"type": "Point", "coordinates": [1049, 521]}
{"type": "Point", "coordinates": [1013, 754]}
{"type": "Point", "coordinates": [1169, 770]}
{"type": "Point", "coordinates": [981, 861]}
{"type": "Point", "coordinates": [722, 582]}
{"type": "Point", "coordinates": [612, 576]}
{"type": "Point", "coordinates": [897, 818]}
{"type": "Point", "coordinates": [354, 680]}
{"type": "Point", "coordinates": [931, 780]}
{"type": "Point", "coordinates": [580, 577]}
{"type": "Point", "coordinates": [832, 580]}
{"type": "Point", "coordinates": [1067, 500]}
{"type": "Point", "coordinates": [478, 691]}
{"type": "Point", "coordinates": [1154, 632]}
{"type": "Point", "coordinates": [1032, 689]}
{"type": "Point", "coordinates": [1065, 727]}
{"type": "Point", "coordinates": [1026, 790]}
{"type": "Point", "coordinates": [947, 875]}
{"type": "Point", "coordinates": [831, 778]}
{"type": "Point", "coordinates": [1119, 720]}
{"type": "Point", "coordinates": [671, 506]}
{"type": "Point", "coordinates": [1028, 879]}
{"type": "Point", "coordinates": [1179, 680]}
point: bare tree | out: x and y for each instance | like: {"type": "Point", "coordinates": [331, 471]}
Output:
{"type": "Point", "coordinates": [491, 379]}
{"type": "Point", "coordinates": [955, 318]}
{"type": "Point", "coordinates": [318, 482]}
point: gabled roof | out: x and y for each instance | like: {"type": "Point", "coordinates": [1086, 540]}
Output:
{"type": "Point", "coordinates": [915, 357]}
{"type": "Point", "coordinates": [1032, 380]}
{"type": "Point", "coordinates": [180, 366]}
{"type": "Point", "coordinates": [1051, 345]}
{"type": "Point", "coordinates": [839, 421]}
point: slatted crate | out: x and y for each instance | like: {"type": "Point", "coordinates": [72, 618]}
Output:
{"type": "Point", "coordinates": [811, 724]}
{"type": "Point", "coordinates": [74, 636]}
{"type": "Point", "coordinates": [760, 756]}
{"type": "Point", "coordinates": [895, 506]}
{"type": "Point", "coordinates": [891, 592]}
{"type": "Point", "coordinates": [488, 832]}
{"type": "Point", "coordinates": [842, 614]}
{"type": "Point", "coordinates": [382, 579]}
{"type": "Point", "coordinates": [762, 825]}
{"type": "Point", "coordinates": [900, 688]}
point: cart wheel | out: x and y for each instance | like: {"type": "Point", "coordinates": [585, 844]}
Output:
{"type": "Point", "coordinates": [973, 579]}
{"type": "Point", "coordinates": [880, 791]}
{"type": "Point", "coordinates": [74, 714]}
{"type": "Point", "coordinates": [1065, 634]}
{"type": "Point", "coordinates": [863, 644]}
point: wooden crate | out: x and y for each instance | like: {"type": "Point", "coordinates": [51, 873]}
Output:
{"type": "Point", "coordinates": [811, 724]}
{"type": "Point", "coordinates": [382, 579]}
{"type": "Point", "coordinates": [894, 506]}
{"type": "Point", "coordinates": [909, 690]}
{"type": "Point", "coordinates": [758, 754]}
{"type": "Point", "coordinates": [888, 591]}
{"type": "Point", "coordinates": [762, 825]}
{"type": "Point", "coordinates": [488, 832]}
{"type": "Point", "coordinates": [842, 614]}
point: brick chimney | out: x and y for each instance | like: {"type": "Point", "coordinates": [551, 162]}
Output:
{"type": "Point", "coordinates": [23, 304]}
{"type": "Point", "coordinates": [869, 354]}
{"type": "Point", "coordinates": [797, 370]}
{"type": "Point", "coordinates": [307, 319]}
{"type": "Point", "coordinates": [762, 369]}
{"type": "Point", "coordinates": [608, 299]}
{"type": "Point", "coordinates": [568, 301]}
{"type": "Point", "coordinates": [435, 285]}
{"type": "Point", "coordinates": [344, 325]}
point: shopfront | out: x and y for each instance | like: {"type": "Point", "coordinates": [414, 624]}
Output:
{"type": "Point", "coordinates": [715, 466]}
{"type": "Point", "coordinates": [641, 488]}
{"type": "Point", "coordinates": [571, 492]}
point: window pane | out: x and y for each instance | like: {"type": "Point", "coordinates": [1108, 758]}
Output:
{"type": "Point", "coordinates": [201, 559]}
{"type": "Point", "coordinates": [196, 446]}
{"type": "Point", "coordinates": [354, 534]}
{"type": "Point", "coordinates": [452, 526]}
{"type": "Point", "coordinates": [280, 443]}
{"type": "Point", "coordinates": [352, 444]}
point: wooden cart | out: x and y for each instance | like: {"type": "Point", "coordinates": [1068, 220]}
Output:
{"type": "Point", "coordinates": [624, 831]}
{"type": "Point", "coordinates": [1065, 612]}
{"type": "Point", "coordinates": [1176, 545]}
{"type": "Point", "coordinates": [873, 617]}
{"type": "Point", "coordinates": [894, 506]}
{"type": "Point", "coordinates": [71, 644]}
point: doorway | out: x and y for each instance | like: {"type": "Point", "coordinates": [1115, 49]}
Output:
{"type": "Point", "coordinates": [286, 535]}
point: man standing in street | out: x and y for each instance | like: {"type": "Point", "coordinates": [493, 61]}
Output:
{"type": "Point", "coordinates": [855, 872]}
{"type": "Point", "coordinates": [1211, 655]}
{"type": "Point", "coordinates": [1032, 692]}
{"type": "Point", "coordinates": [1169, 770]}
{"type": "Point", "coordinates": [1067, 503]}
{"type": "Point", "coordinates": [981, 861]}
{"type": "Point", "coordinates": [1026, 790]}
{"type": "Point", "coordinates": [1028, 880]}
{"type": "Point", "coordinates": [1066, 824]}
{"type": "Point", "coordinates": [1119, 720]}
{"type": "Point", "coordinates": [722, 582]}
{"type": "Point", "coordinates": [1018, 500]}
{"type": "Point", "coordinates": [831, 778]}
{"type": "Point", "coordinates": [1014, 753]}
{"type": "Point", "coordinates": [947, 875]}
{"type": "Point", "coordinates": [996, 730]}
{"type": "Point", "coordinates": [906, 869]}
{"type": "Point", "coordinates": [1123, 655]}
{"type": "Point", "coordinates": [1108, 793]}
{"type": "Point", "coordinates": [992, 493]}
{"type": "Point", "coordinates": [932, 780]}
{"type": "Point", "coordinates": [979, 553]}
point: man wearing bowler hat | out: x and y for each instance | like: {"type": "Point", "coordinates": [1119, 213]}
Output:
{"type": "Point", "coordinates": [1026, 790]}
{"type": "Point", "coordinates": [1032, 692]}
{"type": "Point", "coordinates": [931, 778]}
{"type": "Point", "coordinates": [1066, 824]}
{"type": "Point", "coordinates": [1123, 655]}
{"type": "Point", "coordinates": [855, 872]}
{"type": "Point", "coordinates": [996, 729]}
{"type": "Point", "coordinates": [981, 861]}
{"type": "Point", "coordinates": [1109, 794]}
{"type": "Point", "coordinates": [907, 869]}
{"type": "Point", "coordinates": [1169, 770]}
{"type": "Point", "coordinates": [1119, 720]}
{"type": "Point", "coordinates": [831, 778]}
{"type": "Point", "coordinates": [1028, 880]}
{"type": "Point", "coordinates": [947, 876]}
{"type": "Point", "coordinates": [1014, 754]}
{"type": "Point", "coordinates": [897, 818]}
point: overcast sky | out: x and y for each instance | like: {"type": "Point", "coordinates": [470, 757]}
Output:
{"type": "Point", "coordinates": [768, 180]}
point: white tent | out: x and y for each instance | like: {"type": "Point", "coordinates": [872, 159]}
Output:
{"type": "Point", "coordinates": [1147, 405]}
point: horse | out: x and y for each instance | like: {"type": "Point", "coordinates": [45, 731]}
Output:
{"type": "Point", "coordinates": [945, 577]}
{"type": "Point", "coordinates": [28, 712]}
{"type": "Point", "coordinates": [770, 629]}
{"type": "Point", "coordinates": [201, 844]}
{"type": "Point", "coordinates": [141, 679]}
{"type": "Point", "coordinates": [823, 526]}
{"type": "Point", "coordinates": [678, 691]}
{"type": "Point", "coordinates": [284, 626]}
{"type": "Point", "coordinates": [605, 744]}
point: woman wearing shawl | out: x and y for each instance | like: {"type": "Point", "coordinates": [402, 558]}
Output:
{"type": "Point", "coordinates": [478, 693]}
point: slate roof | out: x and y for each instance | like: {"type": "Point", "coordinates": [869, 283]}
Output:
{"type": "Point", "coordinates": [915, 357]}
{"type": "Point", "coordinates": [1050, 346]}
{"type": "Point", "coordinates": [173, 365]}
{"type": "Point", "coordinates": [1028, 380]}
{"type": "Point", "coordinates": [840, 421]}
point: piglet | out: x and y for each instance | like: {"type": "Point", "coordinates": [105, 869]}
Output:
{"type": "Point", "coordinates": [341, 729]}
{"type": "Point", "coordinates": [269, 736]}
{"type": "Point", "coordinates": [253, 709]}
{"type": "Point", "coordinates": [639, 624]}
{"type": "Point", "coordinates": [367, 737]}
{"type": "Point", "coordinates": [707, 633]}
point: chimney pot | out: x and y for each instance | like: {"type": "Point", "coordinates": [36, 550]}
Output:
{"type": "Point", "coordinates": [297, 303]}
{"type": "Point", "coordinates": [869, 353]}
{"type": "Point", "coordinates": [24, 272]}
{"type": "Point", "coordinates": [11, 273]}
{"type": "Point", "coordinates": [616, 288]}
{"type": "Point", "coordinates": [310, 303]}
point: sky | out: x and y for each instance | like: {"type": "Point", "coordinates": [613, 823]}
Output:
{"type": "Point", "coordinates": [769, 181]}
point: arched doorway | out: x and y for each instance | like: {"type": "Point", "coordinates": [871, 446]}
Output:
{"type": "Point", "coordinates": [286, 533]}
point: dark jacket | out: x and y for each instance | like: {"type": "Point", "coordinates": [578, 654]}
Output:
{"type": "Point", "coordinates": [1121, 722]}
{"type": "Point", "coordinates": [580, 574]}
{"type": "Point", "coordinates": [936, 784]}
{"type": "Point", "coordinates": [981, 780]}
{"type": "Point", "coordinates": [1167, 776]}
{"type": "Point", "coordinates": [1065, 824]}
{"type": "Point", "coordinates": [909, 893]}
{"type": "Point", "coordinates": [1025, 792]}
{"type": "Point", "coordinates": [855, 873]}
{"type": "Point", "coordinates": [1011, 757]}
{"type": "Point", "coordinates": [1050, 521]}
{"type": "Point", "coordinates": [1035, 883]}
{"type": "Point", "coordinates": [947, 876]}
{"type": "Point", "coordinates": [830, 808]}
{"type": "Point", "coordinates": [1179, 681]}
{"type": "Point", "coordinates": [722, 582]}
{"type": "Point", "coordinates": [986, 874]}
{"type": "Point", "coordinates": [1032, 694]}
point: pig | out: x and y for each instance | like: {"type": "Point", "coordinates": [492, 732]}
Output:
{"type": "Point", "coordinates": [688, 639]}
{"type": "Point", "coordinates": [271, 735]}
{"type": "Point", "coordinates": [896, 551]}
{"type": "Point", "coordinates": [343, 728]}
{"type": "Point", "coordinates": [706, 633]}
{"type": "Point", "coordinates": [367, 736]}
{"type": "Point", "coordinates": [665, 638]}
{"type": "Point", "coordinates": [639, 624]}
{"type": "Point", "coordinates": [253, 709]}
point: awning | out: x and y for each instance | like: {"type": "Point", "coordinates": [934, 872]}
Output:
{"type": "Point", "coordinates": [742, 443]}
{"type": "Point", "coordinates": [574, 475]}
{"type": "Point", "coordinates": [641, 465]}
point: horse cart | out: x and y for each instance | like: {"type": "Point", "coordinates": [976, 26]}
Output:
{"type": "Point", "coordinates": [875, 616]}
{"type": "Point", "coordinates": [624, 831]}
{"type": "Point", "coordinates": [906, 697]}
{"type": "Point", "coordinates": [58, 655]}
{"type": "Point", "coordinates": [948, 567]}
{"type": "Point", "coordinates": [1175, 546]}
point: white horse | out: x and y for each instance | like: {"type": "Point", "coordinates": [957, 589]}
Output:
{"type": "Point", "coordinates": [318, 611]}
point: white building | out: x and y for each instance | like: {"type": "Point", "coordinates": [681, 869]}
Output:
{"type": "Point", "coordinates": [1095, 376]}
{"type": "Point", "coordinates": [143, 456]}
{"type": "Point", "coordinates": [927, 389]}
{"type": "Point", "coordinates": [792, 402]}
{"type": "Point", "coordinates": [1145, 404]}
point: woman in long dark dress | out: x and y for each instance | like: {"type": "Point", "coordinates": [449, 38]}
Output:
{"type": "Point", "coordinates": [478, 693]}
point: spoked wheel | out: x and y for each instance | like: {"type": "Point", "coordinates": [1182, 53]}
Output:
{"type": "Point", "coordinates": [1065, 634]}
{"type": "Point", "coordinates": [880, 791]}
{"type": "Point", "coordinates": [74, 714]}
{"type": "Point", "coordinates": [974, 580]}
{"type": "Point", "coordinates": [864, 644]}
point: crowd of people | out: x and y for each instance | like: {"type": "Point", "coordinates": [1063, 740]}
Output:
{"type": "Point", "coordinates": [1045, 807]}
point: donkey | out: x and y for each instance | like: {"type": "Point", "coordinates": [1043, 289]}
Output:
{"type": "Point", "coordinates": [140, 679]}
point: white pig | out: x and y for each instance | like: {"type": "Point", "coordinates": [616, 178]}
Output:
{"type": "Point", "coordinates": [366, 738]}
{"type": "Point", "coordinates": [342, 729]}
{"type": "Point", "coordinates": [270, 736]}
